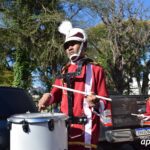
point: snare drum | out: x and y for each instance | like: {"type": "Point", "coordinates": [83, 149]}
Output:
{"type": "Point", "coordinates": [38, 131]}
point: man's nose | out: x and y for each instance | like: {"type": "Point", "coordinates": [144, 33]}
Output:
{"type": "Point", "coordinates": [70, 47]}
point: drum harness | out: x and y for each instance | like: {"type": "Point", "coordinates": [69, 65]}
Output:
{"type": "Point", "coordinates": [69, 79]}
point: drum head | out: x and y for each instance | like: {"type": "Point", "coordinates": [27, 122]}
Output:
{"type": "Point", "coordinates": [36, 117]}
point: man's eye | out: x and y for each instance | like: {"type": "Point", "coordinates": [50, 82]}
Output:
{"type": "Point", "coordinates": [69, 44]}
{"type": "Point", "coordinates": [66, 46]}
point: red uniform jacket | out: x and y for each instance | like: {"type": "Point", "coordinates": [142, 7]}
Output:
{"type": "Point", "coordinates": [91, 79]}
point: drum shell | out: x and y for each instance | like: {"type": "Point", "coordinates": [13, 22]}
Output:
{"type": "Point", "coordinates": [39, 136]}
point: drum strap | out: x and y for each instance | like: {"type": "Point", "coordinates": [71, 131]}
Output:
{"type": "Point", "coordinates": [69, 79]}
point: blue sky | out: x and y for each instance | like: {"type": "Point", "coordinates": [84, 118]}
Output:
{"type": "Point", "coordinates": [146, 3]}
{"type": "Point", "coordinates": [89, 19]}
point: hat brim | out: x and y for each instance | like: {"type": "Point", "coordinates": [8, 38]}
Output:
{"type": "Point", "coordinates": [74, 39]}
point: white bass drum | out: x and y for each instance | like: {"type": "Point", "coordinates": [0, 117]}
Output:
{"type": "Point", "coordinates": [38, 131]}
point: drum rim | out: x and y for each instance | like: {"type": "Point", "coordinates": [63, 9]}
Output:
{"type": "Point", "coordinates": [18, 118]}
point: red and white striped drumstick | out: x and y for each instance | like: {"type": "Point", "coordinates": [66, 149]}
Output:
{"type": "Point", "coordinates": [80, 92]}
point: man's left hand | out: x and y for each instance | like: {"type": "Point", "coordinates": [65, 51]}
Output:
{"type": "Point", "coordinates": [92, 100]}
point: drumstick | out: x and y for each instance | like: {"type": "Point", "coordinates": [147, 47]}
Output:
{"type": "Point", "coordinates": [81, 92]}
{"type": "Point", "coordinates": [134, 114]}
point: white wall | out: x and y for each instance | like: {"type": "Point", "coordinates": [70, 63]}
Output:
{"type": "Point", "coordinates": [134, 86]}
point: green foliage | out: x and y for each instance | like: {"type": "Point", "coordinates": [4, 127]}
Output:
{"type": "Point", "coordinates": [118, 43]}
{"type": "Point", "coordinates": [31, 28]}
{"type": "Point", "coordinates": [22, 70]}
{"type": "Point", "coordinates": [6, 76]}
{"type": "Point", "coordinates": [121, 51]}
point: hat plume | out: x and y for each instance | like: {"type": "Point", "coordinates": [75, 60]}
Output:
{"type": "Point", "coordinates": [65, 27]}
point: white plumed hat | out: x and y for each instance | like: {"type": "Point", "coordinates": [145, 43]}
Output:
{"type": "Point", "coordinates": [72, 34]}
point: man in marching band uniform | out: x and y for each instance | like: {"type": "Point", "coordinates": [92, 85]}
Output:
{"type": "Point", "coordinates": [90, 80]}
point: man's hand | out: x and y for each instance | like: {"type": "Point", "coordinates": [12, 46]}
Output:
{"type": "Point", "coordinates": [44, 101]}
{"type": "Point", "coordinates": [144, 117]}
{"type": "Point", "coordinates": [92, 100]}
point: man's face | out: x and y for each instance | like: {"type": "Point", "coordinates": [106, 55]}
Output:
{"type": "Point", "coordinates": [72, 47]}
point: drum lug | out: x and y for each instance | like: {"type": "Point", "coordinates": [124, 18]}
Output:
{"type": "Point", "coordinates": [67, 123]}
{"type": "Point", "coordinates": [25, 127]}
{"type": "Point", "coordinates": [9, 126]}
{"type": "Point", "coordinates": [51, 124]}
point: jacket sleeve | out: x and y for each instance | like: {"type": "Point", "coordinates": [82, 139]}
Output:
{"type": "Point", "coordinates": [56, 93]}
{"type": "Point", "coordinates": [100, 84]}
{"type": "Point", "coordinates": [101, 89]}
{"type": "Point", "coordinates": [148, 106]}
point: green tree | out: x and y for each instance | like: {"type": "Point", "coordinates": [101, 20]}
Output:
{"type": "Point", "coordinates": [121, 39]}
{"type": "Point", "coordinates": [6, 57]}
{"type": "Point", "coordinates": [6, 76]}
{"type": "Point", "coordinates": [22, 71]}
{"type": "Point", "coordinates": [131, 50]}
{"type": "Point", "coordinates": [32, 28]}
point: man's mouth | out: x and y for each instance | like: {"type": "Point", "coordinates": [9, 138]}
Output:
{"type": "Point", "coordinates": [71, 53]}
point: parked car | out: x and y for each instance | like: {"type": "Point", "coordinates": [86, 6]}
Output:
{"type": "Point", "coordinates": [127, 130]}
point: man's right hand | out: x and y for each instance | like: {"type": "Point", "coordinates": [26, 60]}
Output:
{"type": "Point", "coordinates": [44, 101]}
